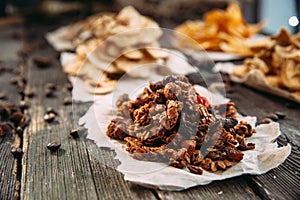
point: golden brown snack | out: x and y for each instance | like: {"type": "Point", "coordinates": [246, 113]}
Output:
{"type": "Point", "coordinates": [170, 122]}
{"type": "Point", "coordinates": [221, 30]}
{"type": "Point", "coordinates": [278, 61]}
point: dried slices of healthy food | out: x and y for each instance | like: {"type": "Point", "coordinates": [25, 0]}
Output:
{"type": "Point", "coordinates": [278, 61]}
{"type": "Point", "coordinates": [110, 45]}
{"type": "Point", "coordinates": [170, 122]}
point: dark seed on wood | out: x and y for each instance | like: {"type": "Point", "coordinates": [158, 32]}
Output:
{"type": "Point", "coordinates": [29, 93]}
{"type": "Point", "coordinates": [51, 110]}
{"type": "Point", "coordinates": [2, 95]}
{"type": "Point", "coordinates": [49, 117]}
{"type": "Point", "coordinates": [24, 80]}
{"type": "Point", "coordinates": [53, 146]}
{"type": "Point", "coordinates": [23, 105]}
{"type": "Point", "coordinates": [50, 86]}
{"type": "Point", "coordinates": [69, 86]}
{"type": "Point", "coordinates": [49, 93]}
{"type": "Point", "coordinates": [280, 115]}
{"type": "Point", "coordinates": [17, 152]}
{"type": "Point", "coordinates": [16, 117]}
{"type": "Point", "coordinates": [265, 121]}
{"type": "Point", "coordinates": [77, 131]}
{"type": "Point", "coordinates": [273, 117]}
{"type": "Point", "coordinates": [14, 80]}
{"type": "Point", "coordinates": [19, 130]}
{"type": "Point", "coordinates": [41, 61]}
{"type": "Point", "coordinates": [68, 100]}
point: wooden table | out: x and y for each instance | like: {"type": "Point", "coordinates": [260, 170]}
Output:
{"type": "Point", "coordinates": [74, 172]}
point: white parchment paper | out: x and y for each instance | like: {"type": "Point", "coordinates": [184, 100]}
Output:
{"type": "Point", "coordinates": [266, 155]}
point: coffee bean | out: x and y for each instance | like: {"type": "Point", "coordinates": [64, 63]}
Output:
{"type": "Point", "coordinates": [77, 131]}
{"type": "Point", "coordinates": [53, 146]}
{"type": "Point", "coordinates": [49, 93]}
{"type": "Point", "coordinates": [265, 121]}
{"type": "Point", "coordinates": [24, 105]}
{"type": "Point", "coordinates": [17, 152]}
{"type": "Point", "coordinates": [280, 115]}
{"type": "Point", "coordinates": [19, 130]}
{"type": "Point", "coordinates": [273, 116]}
{"type": "Point", "coordinates": [51, 110]}
{"type": "Point", "coordinates": [41, 61]}
{"type": "Point", "coordinates": [69, 87]}
{"type": "Point", "coordinates": [16, 117]}
{"type": "Point", "coordinates": [24, 80]}
{"type": "Point", "coordinates": [29, 93]}
{"type": "Point", "coordinates": [2, 95]}
{"type": "Point", "coordinates": [14, 80]}
{"type": "Point", "coordinates": [68, 100]}
{"type": "Point", "coordinates": [50, 86]}
{"type": "Point", "coordinates": [49, 117]}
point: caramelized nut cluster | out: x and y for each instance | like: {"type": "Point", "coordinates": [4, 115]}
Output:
{"type": "Point", "coordinates": [170, 122]}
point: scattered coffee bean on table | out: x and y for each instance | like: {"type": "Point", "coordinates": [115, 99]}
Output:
{"type": "Point", "coordinates": [67, 100]}
{"type": "Point", "coordinates": [49, 117]}
{"type": "Point", "coordinates": [273, 117]}
{"type": "Point", "coordinates": [29, 93]}
{"type": "Point", "coordinates": [265, 121]}
{"type": "Point", "coordinates": [14, 80]}
{"type": "Point", "coordinates": [17, 152]}
{"type": "Point", "coordinates": [280, 115]}
{"type": "Point", "coordinates": [51, 86]}
{"type": "Point", "coordinates": [77, 131]}
{"type": "Point", "coordinates": [2, 95]}
{"type": "Point", "coordinates": [49, 93]}
{"type": "Point", "coordinates": [53, 146]}
{"type": "Point", "coordinates": [19, 130]}
{"type": "Point", "coordinates": [69, 87]}
{"type": "Point", "coordinates": [24, 105]}
{"type": "Point", "coordinates": [41, 61]}
{"type": "Point", "coordinates": [51, 110]}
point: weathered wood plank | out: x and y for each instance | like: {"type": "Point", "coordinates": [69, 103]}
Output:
{"type": "Point", "coordinates": [71, 172]}
{"type": "Point", "coordinates": [235, 188]}
{"type": "Point", "coordinates": [281, 182]}
{"type": "Point", "coordinates": [8, 64]}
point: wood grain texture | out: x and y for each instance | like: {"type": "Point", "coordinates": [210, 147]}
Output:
{"type": "Point", "coordinates": [9, 64]}
{"type": "Point", "coordinates": [72, 172]}
{"type": "Point", "coordinates": [234, 188]}
{"type": "Point", "coordinates": [283, 181]}
{"type": "Point", "coordinates": [81, 170]}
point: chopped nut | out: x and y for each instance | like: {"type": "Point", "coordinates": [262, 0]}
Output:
{"type": "Point", "coordinates": [195, 169]}
{"type": "Point", "coordinates": [221, 165]}
{"type": "Point", "coordinates": [233, 153]}
{"type": "Point", "coordinates": [167, 123]}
